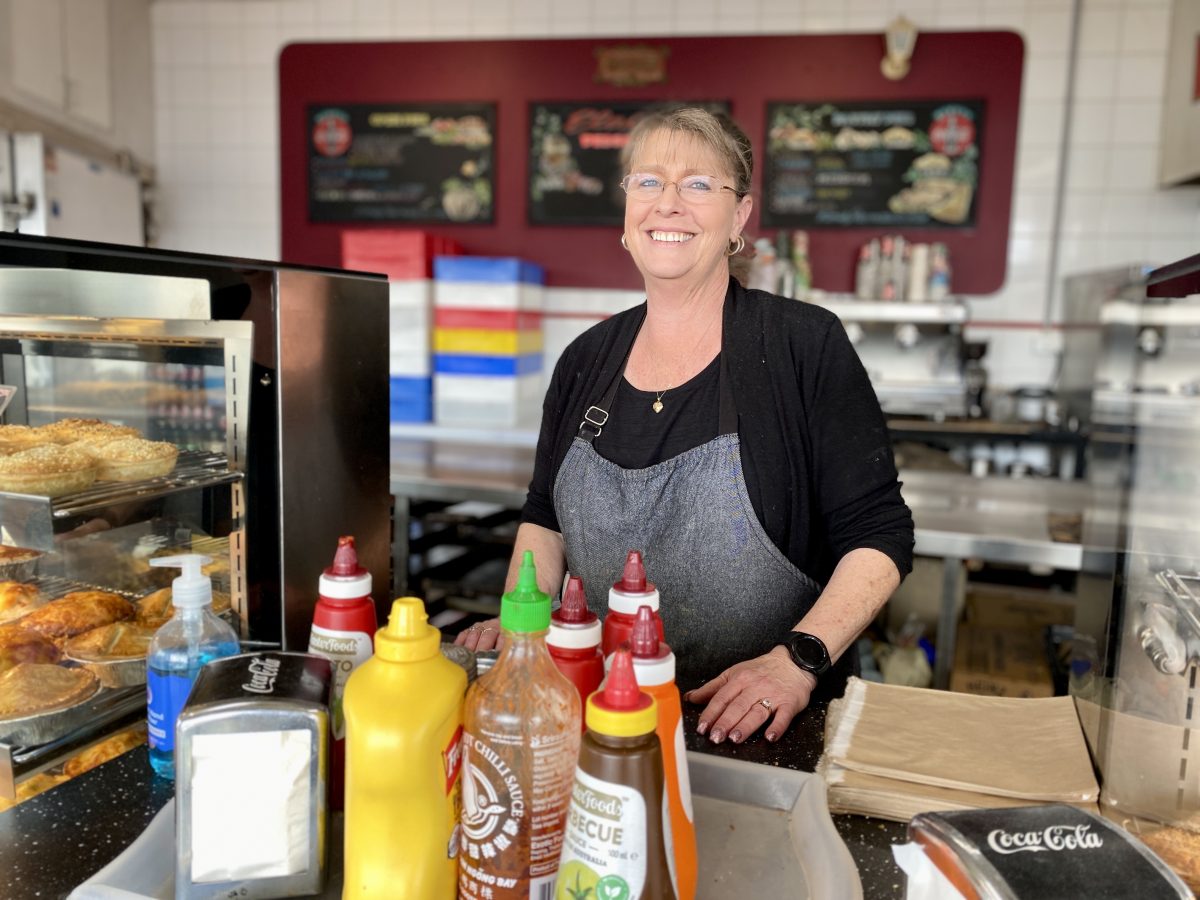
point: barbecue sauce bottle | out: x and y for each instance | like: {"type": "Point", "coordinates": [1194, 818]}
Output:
{"type": "Point", "coordinates": [618, 826]}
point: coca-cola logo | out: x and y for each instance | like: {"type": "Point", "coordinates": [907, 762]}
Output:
{"type": "Point", "coordinates": [262, 675]}
{"type": "Point", "coordinates": [1054, 837]}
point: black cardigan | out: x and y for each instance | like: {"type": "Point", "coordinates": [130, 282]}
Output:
{"type": "Point", "coordinates": [815, 447]}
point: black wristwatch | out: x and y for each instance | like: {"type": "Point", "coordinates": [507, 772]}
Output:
{"type": "Point", "coordinates": [808, 652]}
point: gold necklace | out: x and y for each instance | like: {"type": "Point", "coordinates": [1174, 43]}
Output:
{"type": "Point", "coordinates": [657, 405]}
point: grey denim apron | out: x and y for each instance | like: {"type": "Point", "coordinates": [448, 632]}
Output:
{"type": "Point", "coordinates": [728, 594]}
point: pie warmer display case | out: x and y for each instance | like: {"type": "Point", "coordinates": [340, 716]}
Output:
{"type": "Point", "coordinates": [272, 382]}
{"type": "Point", "coordinates": [1136, 654]}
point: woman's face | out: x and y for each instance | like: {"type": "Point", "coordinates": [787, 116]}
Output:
{"type": "Point", "coordinates": [670, 238]}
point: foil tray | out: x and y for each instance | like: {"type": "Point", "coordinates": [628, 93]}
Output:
{"type": "Point", "coordinates": [767, 831]}
{"type": "Point", "coordinates": [115, 673]}
{"type": "Point", "coordinates": [41, 728]}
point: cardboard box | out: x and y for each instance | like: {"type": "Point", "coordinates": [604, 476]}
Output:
{"type": "Point", "coordinates": [1000, 662]}
{"type": "Point", "coordinates": [1008, 607]}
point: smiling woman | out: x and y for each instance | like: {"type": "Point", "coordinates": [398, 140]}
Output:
{"type": "Point", "coordinates": [733, 437]}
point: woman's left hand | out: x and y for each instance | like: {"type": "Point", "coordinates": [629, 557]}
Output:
{"type": "Point", "coordinates": [744, 698]}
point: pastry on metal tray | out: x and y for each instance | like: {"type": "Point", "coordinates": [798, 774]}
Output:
{"type": "Point", "coordinates": [130, 458]}
{"type": "Point", "coordinates": [17, 599]}
{"type": "Point", "coordinates": [31, 688]}
{"type": "Point", "coordinates": [120, 640]}
{"type": "Point", "coordinates": [78, 612]}
{"type": "Point", "coordinates": [156, 609]}
{"type": "Point", "coordinates": [17, 645]}
{"type": "Point", "coordinates": [47, 470]}
{"type": "Point", "coordinates": [68, 431]}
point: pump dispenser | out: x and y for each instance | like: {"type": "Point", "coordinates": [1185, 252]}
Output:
{"type": "Point", "coordinates": [654, 665]}
{"type": "Point", "coordinates": [193, 637]}
{"type": "Point", "coordinates": [574, 640]}
{"type": "Point", "coordinates": [520, 743]}
{"type": "Point", "coordinates": [632, 591]}
{"type": "Point", "coordinates": [403, 755]}
{"type": "Point", "coordinates": [619, 833]}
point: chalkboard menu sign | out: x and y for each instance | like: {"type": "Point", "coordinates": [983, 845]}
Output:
{"type": "Point", "coordinates": [575, 159]}
{"type": "Point", "coordinates": [885, 165]}
{"type": "Point", "coordinates": [407, 162]}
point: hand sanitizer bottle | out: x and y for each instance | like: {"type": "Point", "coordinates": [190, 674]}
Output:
{"type": "Point", "coordinates": [193, 637]}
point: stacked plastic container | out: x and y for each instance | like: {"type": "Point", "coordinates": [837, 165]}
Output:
{"type": "Point", "coordinates": [406, 257]}
{"type": "Point", "coordinates": [487, 341]}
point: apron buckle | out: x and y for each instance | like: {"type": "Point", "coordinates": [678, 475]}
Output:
{"type": "Point", "coordinates": [596, 418]}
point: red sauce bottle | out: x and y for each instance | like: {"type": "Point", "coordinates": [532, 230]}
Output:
{"type": "Point", "coordinates": [574, 641]}
{"type": "Point", "coordinates": [632, 591]}
{"type": "Point", "coordinates": [343, 632]}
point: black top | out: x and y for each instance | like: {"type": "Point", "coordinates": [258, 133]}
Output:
{"type": "Point", "coordinates": [636, 437]}
{"type": "Point", "coordinates": [815, 447]}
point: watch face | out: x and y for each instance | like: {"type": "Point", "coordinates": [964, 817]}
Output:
{"type": "Point", "coordinates": [810, 653]}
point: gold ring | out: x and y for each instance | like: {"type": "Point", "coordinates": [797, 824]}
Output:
{"type": "Point", "coordinates": [765, 704]}
{"type": "Point", "coordinates": [485, 629]}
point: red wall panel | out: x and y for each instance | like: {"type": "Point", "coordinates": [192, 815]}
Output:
{"type": "Point", "coordinates": [747, 71]}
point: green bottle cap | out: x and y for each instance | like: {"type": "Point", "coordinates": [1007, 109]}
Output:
{"type": "Point", "coordinates": [525, 608]}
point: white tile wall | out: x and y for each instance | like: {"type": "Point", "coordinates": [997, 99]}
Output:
{"type": "Point", "coordinates": [217, 147]}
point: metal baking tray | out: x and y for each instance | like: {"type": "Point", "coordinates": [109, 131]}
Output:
{"type": "Point", "coordinates": [115, 673]}
{"type": "Point", "coordinates": [764, 831]}
{"type": "Point", "coordinates": [41, 728]}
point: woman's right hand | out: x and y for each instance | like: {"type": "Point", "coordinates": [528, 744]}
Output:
{"type": "Point", "coordinates": [481, 636]}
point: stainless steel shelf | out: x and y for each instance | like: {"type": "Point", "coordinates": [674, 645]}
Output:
{"type": "Point", "coordinates": [33, 521]}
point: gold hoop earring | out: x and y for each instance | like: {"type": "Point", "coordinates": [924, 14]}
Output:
{"type": "Point", "coordinates": [624, 246]}
{"type": "Point", "coordinates": [737, 246]}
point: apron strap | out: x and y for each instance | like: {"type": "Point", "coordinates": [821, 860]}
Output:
{"type": "Point", "coordinates": [596, 415]}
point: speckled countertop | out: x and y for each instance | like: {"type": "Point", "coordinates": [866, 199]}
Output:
{"type": "Point", "coordinates": [52, 842]}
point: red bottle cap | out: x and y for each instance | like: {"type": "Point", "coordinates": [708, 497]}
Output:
{"type": "Point", "coordinates": [345, 579]}
{"type": "Point", "coordinates": [574, 609]}
{"type": "Point", "coordinates": [345, 560]}
{"type": "Point", "coordinates": [643, 642]}
{"type": "Point", "coordinates": [620, 709]}
{"type": "Point", "coordinates": [633, 577]}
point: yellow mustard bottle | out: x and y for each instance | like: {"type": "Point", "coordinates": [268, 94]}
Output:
{"type": "Point", "coordinates": [403, 711]}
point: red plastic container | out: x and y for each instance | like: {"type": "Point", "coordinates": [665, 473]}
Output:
{"type": "Point", "coordinates": [343, 632]}
{"type": "Point", "coordinates": [632, 591]}
{"type": "Point", "coordinates": [574, 641]}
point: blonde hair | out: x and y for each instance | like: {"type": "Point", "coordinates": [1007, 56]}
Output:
{"type": "Point", "coordinates": [716, 131]}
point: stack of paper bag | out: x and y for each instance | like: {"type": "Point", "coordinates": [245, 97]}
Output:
{"type": "Point", "coordinates": [894, 751]}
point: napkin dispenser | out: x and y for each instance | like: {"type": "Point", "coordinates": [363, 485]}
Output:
{"type": "Point", "coordinates": [251, 778]}
{"type": "Point", "coordinates": [1031, 852]}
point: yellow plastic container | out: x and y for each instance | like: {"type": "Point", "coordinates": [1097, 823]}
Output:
{"type": "Point", "coordinates": [486, 341]}
{"type": "Point", "coordinates": [403, 711]}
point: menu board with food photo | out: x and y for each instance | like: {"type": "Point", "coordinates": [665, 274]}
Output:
{"type": "Point", "coordinates": [875, 165]}
{"type": "Point", "coordinates": [426, 163]}
{"type": "Point", "coordinates": [575, 159]}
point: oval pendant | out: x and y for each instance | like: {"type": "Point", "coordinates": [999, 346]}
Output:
{"type": "Point", "coordinates": [656, 406]}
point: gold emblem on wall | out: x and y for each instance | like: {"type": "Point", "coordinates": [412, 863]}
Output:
{"type": "Point", "coordinates": [631, 65]}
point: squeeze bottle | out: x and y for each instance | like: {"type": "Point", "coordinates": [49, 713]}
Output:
{"type": "Point", "coordinates": [626, 595]}
{"type": "Point", "coordinates": [403, 710]}
{"type": "Point", "coordinates": [192, 637]}
{"type": "Point", "coordinates": [343, 625]}
{"type": "Point", "coordinates": [574, 641]}
{"type": "Point", "coordinates": [619, 833]}
{"type": "Point", "coordinates": [654, 666]}
{"type": "Point", "coordinates": [520, 746]}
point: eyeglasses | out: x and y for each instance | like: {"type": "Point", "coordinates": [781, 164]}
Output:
{"type": "Point", "coordinates": [692, 188]}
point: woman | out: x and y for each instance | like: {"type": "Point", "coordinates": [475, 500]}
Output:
{"type": "Point", "coordinates": [732, 436]}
